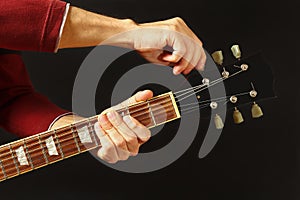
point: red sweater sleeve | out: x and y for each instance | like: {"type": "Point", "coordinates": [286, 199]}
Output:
{"type": "Point", "coordinates": [23, 111]}
{"type": "Point", "coordinates": [30, 24]}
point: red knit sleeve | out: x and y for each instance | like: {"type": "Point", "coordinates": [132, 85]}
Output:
{"type": "Point", "coordinates": [23, 111]}
{"type": "Point", "coordinates": [30, 24]}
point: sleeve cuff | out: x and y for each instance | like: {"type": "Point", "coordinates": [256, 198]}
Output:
{"type": "Point", "coordinates": [58, 117]}
{"type": "Point", "coordinates": [62, 27]}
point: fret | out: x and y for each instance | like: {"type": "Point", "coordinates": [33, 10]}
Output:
{"type": "Point", "coordinates": [86, 139]}
{"type": "Point", "coordinates": [91, 130]}
{"type": "Point", "coordinates": [14, 159]}
{"type": "Point", "coordinates": [43, 150]}
{"type": "Point", "coordinates": [151, 113]}
{"type": "Point", "coordinates": [28, 155]}
{"type": "Point", "coordinates": [74, 136]}
{"type": "Point", "coordinates": [142, 114]}
{"type": "Point", "coordinates": [58, 144]}
{"type": "Point", "coordinates": [3, 175]}
{"type": "Point", "coordinates": [20, 155]}
{"type": "Point", "coordinates": [8, 162]}
{"type": "Point", "coordinates": [124, 113]}
{"type": "Point", "coordinates": [67, 142]}
{"type": "Point", "coordinates": [35, 150]}
{"type": "Point", "coordinates": [52, 146]}
{"type": "Point", "coordinates": [164, 111]}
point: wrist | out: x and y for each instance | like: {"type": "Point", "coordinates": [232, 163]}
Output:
{"type": "Point", "coordinates": [122, 35]}
{"type": "Point", "coordinates": [65, 120]}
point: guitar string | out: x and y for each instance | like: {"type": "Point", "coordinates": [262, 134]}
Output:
{"type": "Point", "coordinates": [212, 100]}
{"type": "Point", "coordinates": [191, 90]}
{"type": "Point", "coordinates": [210, 85]}
{"type": "Point", "coordinates": [220, 79]}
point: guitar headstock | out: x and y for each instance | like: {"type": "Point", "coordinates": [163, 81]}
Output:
{"type": "Point", "coordinates": [248, 80]}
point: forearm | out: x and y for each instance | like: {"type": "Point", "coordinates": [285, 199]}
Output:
{"type": "Point", "coordinates": [84, 28]}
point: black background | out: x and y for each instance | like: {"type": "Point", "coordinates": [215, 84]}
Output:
{"type": "Point", "coordinates": [258, 160]}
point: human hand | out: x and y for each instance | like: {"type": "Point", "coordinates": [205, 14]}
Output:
{"type": "Point", "coordinates": [187, 52]}
{"type": "Point", "coordinates": [119, 136]}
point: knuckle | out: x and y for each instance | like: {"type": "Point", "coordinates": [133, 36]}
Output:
{"type": "Point", "coordinates": [178, 19]}
{"type": "Point", "coordinates": [108, 149]}
{"type": "Point", "coordinates": [120, 143]}
{"type": "Point", "coordinates": [135, 152]}
{"type": "Point", "coordinates": [132, 140]}
{"type": "Point", "coordinates": [104, 122]}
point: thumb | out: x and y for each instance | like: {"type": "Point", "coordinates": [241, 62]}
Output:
{"type": "Point", "coordinates": [139, 96]}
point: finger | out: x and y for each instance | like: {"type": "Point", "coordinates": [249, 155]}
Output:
{"type": "Point", "coordinates": [180, 67]}
{"type": "Point", "coordinates": [142, 132]}
{"type": "Point", "coordinates": [107, 152]}
{"type": "Point", "coordinates": [172, 58]}
{"type": "Point", "coordinates": [139, 96]}
{"type": "Point", "coordinates": [115, 137]}
{"type": "Point", "coordinates": [156, 59]}
{"type": "Point", "coordinates": [202, 61]}
{"type": "Point", "coordinates": [188, 69]}
{"type": "Point", "coordinates": [126, 133]}
{"type": "Point", "coordinates": [119, 143]}
{"type": "Point", "coordinates": [179, 49]}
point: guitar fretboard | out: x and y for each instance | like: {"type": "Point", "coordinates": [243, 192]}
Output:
{"type": "Point", "coordinates": [51, 146]}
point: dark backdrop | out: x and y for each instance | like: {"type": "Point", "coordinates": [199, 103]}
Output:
{"type": "Point", "coordinates": [257, 161]}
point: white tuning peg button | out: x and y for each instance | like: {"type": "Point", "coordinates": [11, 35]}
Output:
{"type": "Point", "coordinates": [213, 105]}
{"type": "Point", "coordinates": [253, 93]}
{"type": "Point", "coordinates": [233, 99]}
{"type": "Point", "coordinates": [205, 81]}
{"type": "Point", "coordinates": [244, 67]}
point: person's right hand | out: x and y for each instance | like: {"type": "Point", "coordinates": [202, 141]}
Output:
{"type": "Point", "coordinates": [187, 51]}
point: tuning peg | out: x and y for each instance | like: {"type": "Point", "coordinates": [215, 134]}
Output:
{"type": "Point", "coordinates": [256, 111]}
{"type": "Point", "coordinates": [237, 116]}
{"type": "Point", "coordinates": [218, 122]}
{"type": "Point", "coordinates": [233, 99]}
{"type": "Point", "coordinates": [253, 92]}
{"type": "Point", "coordinates": [235, 49]}
{"type": "Point", "coordinates": [225, 74]}
{"type": "Point", "coordinates": [218, 57]}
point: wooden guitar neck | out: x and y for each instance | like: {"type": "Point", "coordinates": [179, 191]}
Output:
{"type": "Point", "coordinates": [45, 148]}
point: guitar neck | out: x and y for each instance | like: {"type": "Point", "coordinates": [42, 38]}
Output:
{"type": "Point", "coordinates": [42, 149]}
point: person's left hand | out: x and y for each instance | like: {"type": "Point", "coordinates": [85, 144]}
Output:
{"type": "Point", "coordinates": [119, 136]}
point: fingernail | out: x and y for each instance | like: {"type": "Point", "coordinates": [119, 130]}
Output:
{"type": "Point", "coordinates": [176, 72]}
{"type": "Point", "coordinates": [111, 115]}
{"type": "Point", "coordinates": [143, 92]}
{"type": "Point", "coordinates": [127, 119]}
